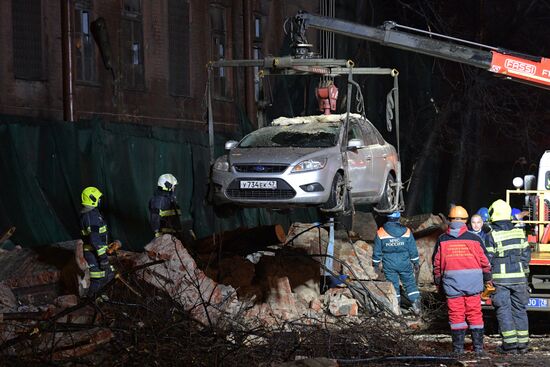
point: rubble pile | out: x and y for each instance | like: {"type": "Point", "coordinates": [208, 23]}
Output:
{"type": "Point", "coordinates": [234, 297]}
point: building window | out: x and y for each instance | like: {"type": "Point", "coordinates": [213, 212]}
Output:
{"type": "Point", "coordinates": [84, 43]}
{"type": "Point", "coordinates": [218, 26]}
{"type": "Point", "coordinates": [132, 45]}
{"type": "Point", "coordinates": [178, 52]}
{"type": "Point", "coordinates": [28, 57]}
{"type": "Point", "coordinates": [132, 6]}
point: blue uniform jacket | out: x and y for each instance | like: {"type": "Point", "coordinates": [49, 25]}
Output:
{"type": "Point", "coordinates": [395, 246]}
{"type": "Point", "coordinates": [94, 232]}
{"type": "Point", "coordinates": [164, 212]}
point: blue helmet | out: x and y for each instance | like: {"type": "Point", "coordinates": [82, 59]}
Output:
{"type": "Point", "coordinates": [515, 211]}
{"type": "Point", "coordinates": [483, 212]}
{"type": "Point", "coordinates": [394, 216]}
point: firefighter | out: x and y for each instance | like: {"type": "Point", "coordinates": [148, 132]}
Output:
{"type": "Point", "coordinates": [460, 270]}
{"type": "Point", "coordinates": [94, 236]}
{"type": "Point", "coordinates": [395, 253]}
{"type": "Point", "coordinates": [165, 213]}
{"type": "Point", "coordinates": [509, 254]}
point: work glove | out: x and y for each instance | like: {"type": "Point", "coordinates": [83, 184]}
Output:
{"type": "Point", "coordinates": [158, 234]}
{"type": "Point", "coordinates": [526, 270]}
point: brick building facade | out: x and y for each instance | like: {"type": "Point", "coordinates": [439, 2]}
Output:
{"type": "Point", "coordinates": [159, 53]}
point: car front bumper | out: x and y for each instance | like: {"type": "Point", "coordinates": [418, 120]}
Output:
{"type": "Point", "coordinates": [290, 188]}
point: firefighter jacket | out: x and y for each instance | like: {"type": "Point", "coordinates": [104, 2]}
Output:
{"type": "Point", "coordinates": [509, 253]}
{"type": "Point", "coordinates": [94, 232]}
{"type": "Point", "coordinates": [395, 246]}
{"type": "Point", "coordinates": [164, 213]}
{"type": "Point", "coordinates": [459, 263]}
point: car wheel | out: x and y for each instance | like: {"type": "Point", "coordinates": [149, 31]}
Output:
{"type": "Point", "coordinates": [388, 196]}
{"type": "Point", "coordinates": [337, 193]}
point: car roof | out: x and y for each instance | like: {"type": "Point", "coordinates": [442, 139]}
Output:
{"type": "Point", "coordinates": [284, 121]}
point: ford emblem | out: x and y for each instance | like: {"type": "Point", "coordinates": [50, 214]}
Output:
{"type": "Point", "coordinates": [259, 168]}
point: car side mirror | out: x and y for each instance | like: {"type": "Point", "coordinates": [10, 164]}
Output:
{"type": "Point", "coordinates": [355, 144]}
{"type": "Point", "coordinates": [230, 144]}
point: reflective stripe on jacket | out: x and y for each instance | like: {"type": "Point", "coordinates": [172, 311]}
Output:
{"type": "Point", "coordinates": [509, 253]}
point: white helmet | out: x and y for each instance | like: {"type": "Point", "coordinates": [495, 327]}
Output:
{"type": "Point", "coordinates": [167, 182]}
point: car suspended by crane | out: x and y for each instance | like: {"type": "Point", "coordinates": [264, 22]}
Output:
{"type": "Point", "coordinates": [528, 69]}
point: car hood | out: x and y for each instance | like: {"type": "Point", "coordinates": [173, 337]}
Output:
{"type": "Point", "coordinates": [276, 155]}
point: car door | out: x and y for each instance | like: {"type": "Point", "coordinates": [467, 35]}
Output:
{"type": "Point", "coordinates": [376, 147]}
{"type": "Point", "coordinates": [359, 163]}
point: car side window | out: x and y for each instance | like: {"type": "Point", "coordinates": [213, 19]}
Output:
{"type": "Point", "coordinates": [370, 134]}
{"type": "Point", "coordinates": [354, 132]}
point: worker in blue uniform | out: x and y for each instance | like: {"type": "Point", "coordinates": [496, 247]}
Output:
{"type": "Point", "coordinates": [395, 253]}
{"type": "Point", "coordinates": [95, 239]}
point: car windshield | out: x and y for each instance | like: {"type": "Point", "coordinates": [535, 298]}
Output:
{"type": "Point", "coordinates": [308, 135]}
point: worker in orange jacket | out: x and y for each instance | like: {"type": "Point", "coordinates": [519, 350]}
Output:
{"type": "Point", "coordinates": [460, 268]}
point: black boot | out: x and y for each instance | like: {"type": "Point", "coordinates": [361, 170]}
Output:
{"type": "Point", "coordinates": [477, 341]}
{"type": "Point", "coordinates": [458, 341]}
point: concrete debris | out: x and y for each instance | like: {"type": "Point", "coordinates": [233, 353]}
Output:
{"type": "Point", "coordinates": [249, 282]}
{"type": "Point", "coordinates": [65, 301]}
{"type": "Point", "coordinates": [8, 302]}
{"type": "Point", "coordinates": [180, 277]}
{"type": "Point", "coordinates": [358, 257]}
{"type": "Point", "coordinates": [383, 293]}
{"type": "Point", "coordinates": [340, 302]}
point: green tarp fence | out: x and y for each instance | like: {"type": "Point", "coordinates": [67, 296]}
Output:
{"type": "Point", "coordinates": [44, 165]}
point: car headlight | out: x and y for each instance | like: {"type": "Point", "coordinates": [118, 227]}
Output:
{"type": "Point", "coordinates": [221, 164]}
{"type": "Point", "coordinates": [310, 165]}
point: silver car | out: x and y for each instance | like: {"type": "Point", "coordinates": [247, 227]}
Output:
{"type": "Point", "coordinates": [300, 162]}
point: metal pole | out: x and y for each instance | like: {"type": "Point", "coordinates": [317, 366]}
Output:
{"type": "Point", "coordinates": [210, 116]}
{"type": "Point", "coordinates": [67, 57]}
{"type": "Point", "coordinates": [330, 248]}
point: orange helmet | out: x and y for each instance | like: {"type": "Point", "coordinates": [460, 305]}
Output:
{"type": "Point", "coordinates": [458, 213]}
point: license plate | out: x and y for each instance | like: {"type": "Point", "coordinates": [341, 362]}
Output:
{"type": "Point", "coordinates": [267, 185]}
{"type": "Point", "coordinates": [538, 303]}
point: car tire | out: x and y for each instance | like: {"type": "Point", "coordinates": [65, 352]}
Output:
{"type": "Point", "coordinates": [338, 192]}
{"type": "Point", "coordinates": [388, 196]}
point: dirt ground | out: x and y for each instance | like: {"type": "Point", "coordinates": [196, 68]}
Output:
{"type": "Point", "coordinates": [539, 348]}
